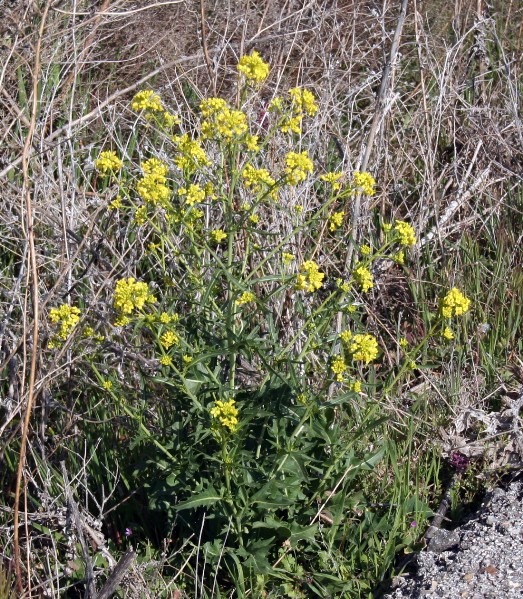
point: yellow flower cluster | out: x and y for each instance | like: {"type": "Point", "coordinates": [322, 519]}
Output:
{"type": "Point", "coordinates": [335, 220]}
{"type": "Point", "coordinates": [152, 186]}
{"type": "Point", "coordinates": [454, 304]}
{"type": "Point", "coordinates": [245, 298]}
{"type": "Point", "coordinates": [356, 386]}
{"type": "Point", "coordinates": [364, 182]}
{"type": "Point", "coordinates": [339, 367]}
{"type": "Point", "coordinates": [108, 162]}
{"type": "Point", "coordinates": [364, 348]}
{"type": "Point", "coordinates": [90, 333]}
{"type": "Point", "coordinates": [116, 204]}
{"type": "Point", "coordinates": [447, 333]}
{"type": "Point", "coordinates": [301, 102]}
{"type": "Point", "coordinates": [297, 166]}
{"type": "Point", "coordinates": [399, 257]}
{"type": "Point", "coordinates": [194, 194]}
{"type": "Point", "coordinates": [68, 317]}
{"type": "Point", "coordinates": [258, 179]}
{"type": "Point", "coordinates": [346, 336]}
{"type": "Point", "coordinates": [166, 318]}
{"type": "Point", "coordinates": [168, 339]}
{"type": "Point", "coordinates": [130, 294]}
{"type": "Point", "coordinates": [310, 279]}
{"type": "Point", "coordinates": [333, 178]}
{"type": "Point", "coordinates": [363, 277]}
{"type": "Point", "coordinates": [146, 100]}
{"type": "Point", "coordinates": [218, 235]}
{"type": "Point", "coordinates": [221, 121]}
{"type": "Point", "coordinates": [405, 232]}
{"type": "Point", "coordinates": [192, 155]}
{"type": "Point", "coordinates": [151, 104]}
{"type": "Point", "coordinates": [344, 286]}
{"type": "Point", "coordinates": [226, 414]}
{"type": "Point", "coordinates": [253, 68]}
{"type": "Point", "coordinates": [140, 215]}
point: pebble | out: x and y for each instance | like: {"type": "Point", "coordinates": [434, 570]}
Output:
{"type": "Point", "coordinates": [479, 560]}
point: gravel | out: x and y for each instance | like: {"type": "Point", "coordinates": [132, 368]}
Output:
{"type": "Point", "coordinates": [482, 559]}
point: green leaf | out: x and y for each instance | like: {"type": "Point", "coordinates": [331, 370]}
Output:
{"type": "Point", "coordinates": [208, 497]}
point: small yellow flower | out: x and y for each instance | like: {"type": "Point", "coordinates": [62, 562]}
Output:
{"type": "Point", "coordinates": [254, 219]}
{"type": "Point", "coordinates": [253, 68]}
{"type": "Point", "coordinates": [335, 220]}
{"type": "Point", "coordinates": [191, 155]}
{"type": "Point", "coordinates": [364, 182]}
{"type": "Point", "coordinates": [222, 122]}
{"type": "Point", "coordinates": [365, 250]}
{"type": "Point", "coordinates": [245, 298]}
{"type": "Point", "coordinates": [387, 227]}
{"type": "Point", "coordinates": [116, 204]}
{"type": "Point", "coordinates": [364, 348]}
{"type": "Point", "coordinates": [454, 304]}
{"type": "Point", "coordinates": [298, 165]}
{"type": "Point", "coordinates": [310, 278]}
{"type": "Point", "coordinates": [343, 285]}
{"type": "Point", "coordinates": [131, 295]}
{"type": "Point", "coordinates": [218, 235]}
{"type": "Point", "coordinates": [301, 399]}
{"type": "Point", "coordinates": [291, 124]}
{"type": "Point", "coordinates": [152, 186]}
{"type": "Point", "coordinates": [146, 100]}
{"type": "Point", "coordinates": [399, 257]}
{"type": "Point", "coordinates": [166, 361]}
{"type": "Point", "coordinates": [257, 179]}
{"type": "Point", "coordinates": [140, 216]}
{"type": "Point", "coordinates": [287, 258]}
{"type": "Point", "coordinates": [339, 367]}
{"type": "Point", "coordinates": [108, 385]}
{"type": "Point", "coordinates": [363, 277]}
{"type": "Point", "coordinates": [405, 232]}
{"type": "Point", "coordinates": [403, 343]}
{"type": "Point", "coordinates": [122, 321]}
{"type": "Point", "coordinates": [447, 333]}
{"type": "Point", "coordinates": [225, 413]}
{"type": "Point", "coordinates": [194, 194]}
{"type": "Point", "coordinates": [68, 317]}
{"type": "Point", "coordinates": [186, 360]}
{"type": "Point", "coordinates": [169, 120]}
{"type": "Point", "coordinates": [356, 386]}
{"type": "Point", "coordinates": [251, 142]}
{"type": "Point", "coordinates": [333, 178]}
{"type": "Point", "coordinates": [303, 100]}
{"type": "Point", "coordinates": [346, 336]}
{"type": "Point", "coordinates": [108, 162]}
{"type": "Point", "coordinates": [168, 339]}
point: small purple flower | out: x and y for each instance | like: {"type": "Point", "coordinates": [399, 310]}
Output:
{"type": "Point", "coordinates": [128, 532]}
{"type": "Point", "coordinates": [413, 524]}
{"type": "Point", "coordinates": [458, 461]}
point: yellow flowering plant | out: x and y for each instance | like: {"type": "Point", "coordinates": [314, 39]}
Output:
{"type": "Point", "coordinates": [262, 337]}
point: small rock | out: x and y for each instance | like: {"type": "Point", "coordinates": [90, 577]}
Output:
{"type": "Point", "coordinates": [443, 540]}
